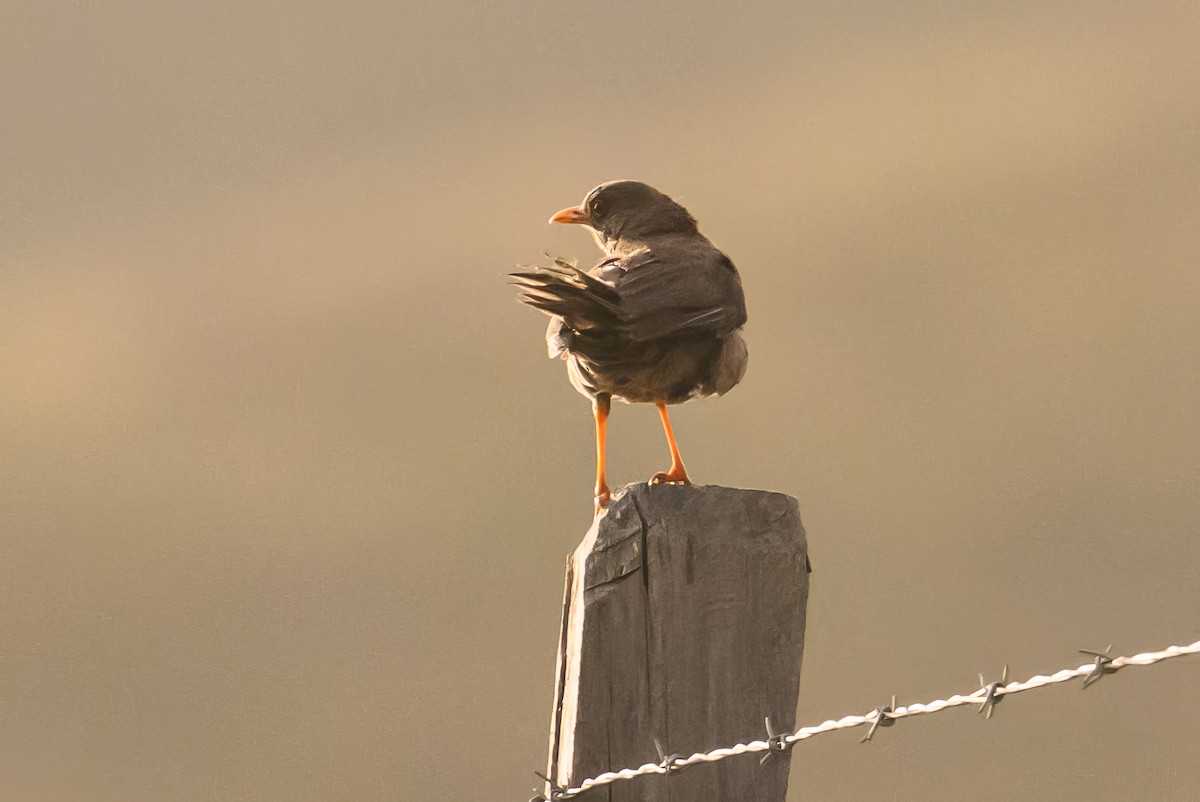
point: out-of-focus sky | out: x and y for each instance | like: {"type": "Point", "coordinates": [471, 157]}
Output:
{"type": "Point", "coordinates": [287, 483]}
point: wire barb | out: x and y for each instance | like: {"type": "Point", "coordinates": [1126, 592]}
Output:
{"type": "Point", "coordinates": [992, 695]}
{"type": "Point", "coordinates": [553, 793]}
{"type": "Point", "coordinates": [669, 763]}
{"type": "Point", "coordinates": [1102, 665]}
{"type": "Point", "coordinates": [883, 718]}
{"type": "Point", "coordinates": [776, 742]}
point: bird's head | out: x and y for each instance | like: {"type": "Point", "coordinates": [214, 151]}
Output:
{"type": "Point", "coordinates": [628, 210]}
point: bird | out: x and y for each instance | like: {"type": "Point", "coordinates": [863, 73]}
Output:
{"type": "Point", "coordinates": [658, 320]}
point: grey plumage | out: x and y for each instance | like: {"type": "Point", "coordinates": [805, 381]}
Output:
{"type": "Point", "coordinates": [660, 319]}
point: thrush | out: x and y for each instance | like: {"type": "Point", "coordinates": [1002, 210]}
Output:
{"type": "Point", "coordinates": [658, 321]}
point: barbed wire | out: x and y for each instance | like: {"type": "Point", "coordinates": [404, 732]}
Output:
{"type": "Point", "coordinates": [986, 697]}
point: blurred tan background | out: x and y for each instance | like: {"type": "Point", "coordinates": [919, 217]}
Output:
{"type": "Point", "coordinates": [287, 482]}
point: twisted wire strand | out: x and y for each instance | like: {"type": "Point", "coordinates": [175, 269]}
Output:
{"type": "Point", "coordinates": [987, 695]}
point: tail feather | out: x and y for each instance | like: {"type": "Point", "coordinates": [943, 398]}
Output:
{"type": "Point", "coordinates": [563, 290]}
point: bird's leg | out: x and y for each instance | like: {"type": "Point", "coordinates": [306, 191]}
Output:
{"type": "Point", "coordinates": [600, 407]}
{"type": "Point", "coordinates": [677, 474]}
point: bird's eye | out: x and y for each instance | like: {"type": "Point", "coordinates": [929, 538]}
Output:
{"type": "Point", "coordinates": [597, 208]}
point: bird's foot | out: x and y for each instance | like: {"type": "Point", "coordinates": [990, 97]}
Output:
{"type": "Point", "coordinates": [675, 476]}
{"type": "Point", "coordinates": [603, 496]}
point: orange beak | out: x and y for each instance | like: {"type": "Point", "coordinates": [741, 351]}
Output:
{"type": "Point", "coordinates": [574, 214]}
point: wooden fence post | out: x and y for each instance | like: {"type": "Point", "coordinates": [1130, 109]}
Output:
{"type": "Point", "coordinates": [683, 622]}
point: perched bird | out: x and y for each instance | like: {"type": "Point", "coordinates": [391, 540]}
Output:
{"type": "Point", "coordinates": [658, 321]}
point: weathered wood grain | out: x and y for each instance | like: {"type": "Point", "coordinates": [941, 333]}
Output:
{"type": "Point", "coordinates": [683, 620]}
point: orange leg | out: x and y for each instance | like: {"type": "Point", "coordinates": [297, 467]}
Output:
{"type": "Point", "coordinates": [600, 409]}
{"type": "Point", "coordinates": [677, 474]}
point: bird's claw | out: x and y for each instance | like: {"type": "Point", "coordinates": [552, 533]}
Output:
{"type": "Point", "coordinates": [670, 478]}
{"type": "Point", "coordinates": [601, 499]}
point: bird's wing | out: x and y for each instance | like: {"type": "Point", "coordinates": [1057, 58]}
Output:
{"type": "Point", "coordinates": [680, 290]}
